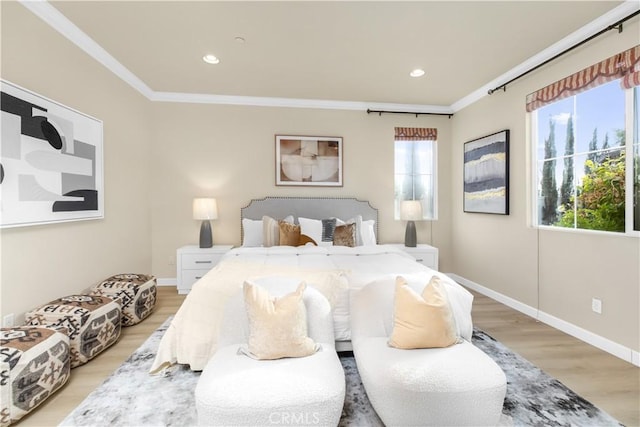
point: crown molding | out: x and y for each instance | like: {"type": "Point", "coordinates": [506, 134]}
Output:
{"type": "Point", "coordinates": [598, 24]}
{"type": "Point", "coordinates": [256, 101]}
{"type": "Point", "coordinates": [52, 16]}
{"type": "Point", "coordinates": [49, 14]}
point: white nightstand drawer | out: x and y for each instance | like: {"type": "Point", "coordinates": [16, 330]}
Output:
{"type": "Point", "coordinates": [424, 254]}
{"type": "Point", "coordinates": [196, 261]}
{"type": "Point", "coordinates": [426, 259]}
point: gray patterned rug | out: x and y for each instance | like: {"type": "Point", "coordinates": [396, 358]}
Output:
{"type": "Point", "coordinates": [131, 397]}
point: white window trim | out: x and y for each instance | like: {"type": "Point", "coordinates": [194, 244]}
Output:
{"type": "Point", "coordinates": [531, 129]}
{"type": "Point", "coordinates": [434, 175]}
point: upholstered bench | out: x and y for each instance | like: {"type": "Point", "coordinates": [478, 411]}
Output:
{"type": "Point", "coordinates": [451, 386]}
{"type": "Point", "coordinates": [136, 294]}
{"type": "Point", "coordinates": [237, 390]}
{"type": "Point", "coordinates": [34, 363]}
{"type": "Point", "coordinates": [92, 323]}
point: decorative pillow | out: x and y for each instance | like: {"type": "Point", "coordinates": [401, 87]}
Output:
{"type": "Point", "coordinates": [304, 239]}
{"type": "Point", "coordinates": [271, 230]}
{"type": "Point", "coordinates": [357, 220]}
{"type": "Point", "coordinates": [345, 235]}
{"type": "Point", "coordinates": [252, 232]}
{"type": "Point", "coordinates": [289, 234]}
{"type": "Point", "coordinates": [277, 326]}
{"type": "Point", "coordinates": [422, 321]}
{"type": "Point", "coordinates": [368, 233]}
{"type": "Point", "coordinates": [311, 227]}
{"type": "Point", "coordinates": [328, 228]}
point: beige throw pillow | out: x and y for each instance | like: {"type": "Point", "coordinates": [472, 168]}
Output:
{"type": "Point", "coordinates": [289, 234]}
{"type": "Point", "coordinates": [422, 321]}
{"type": "Point", "coordinates": [277, 326]}
{"type": "Point", "coordinates": [345, 235]}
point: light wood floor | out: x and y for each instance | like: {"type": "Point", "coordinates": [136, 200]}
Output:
{"type": "Point", "coordinates": [608, 382]}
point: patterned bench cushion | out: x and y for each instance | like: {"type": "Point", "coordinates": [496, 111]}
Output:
{"type": "Point", "coordinates": [136, 294]}
{"type": "Point", "coordinates": [92, 323]}
{"type": "Point", "coordinates": [34, 363]}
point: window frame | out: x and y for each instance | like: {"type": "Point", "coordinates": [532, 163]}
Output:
{"type": "Point", "coordinates": [434, 175]}
{"type": "Point", "coordinates": [632, 137]}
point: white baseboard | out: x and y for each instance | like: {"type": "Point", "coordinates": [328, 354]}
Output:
{"type": "Point", "coordinates": [167, 281]}
{"type": "Point", "coordinates": [595, 340]}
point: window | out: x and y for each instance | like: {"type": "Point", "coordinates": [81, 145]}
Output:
{"type": "Point", "coordinates": [586, 150]}
{"type": "Point", "coordinates": [415, 155]}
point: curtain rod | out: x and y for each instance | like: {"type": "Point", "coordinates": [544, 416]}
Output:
{"type": "Point", "coordinates": [617, 25]}
{"type": "Point", "coordinates": [380, 112]}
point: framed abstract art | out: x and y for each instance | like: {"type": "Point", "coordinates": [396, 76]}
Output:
{"type": "Point", "coordinates": [486, 174]}
{"type": "Point", "coordinates": [51, 161]}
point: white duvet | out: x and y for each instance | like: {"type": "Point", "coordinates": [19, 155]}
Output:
{"type": "Point", "coordinates": [335, 271]}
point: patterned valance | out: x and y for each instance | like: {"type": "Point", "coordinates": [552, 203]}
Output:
{"type": "Point", "coordinates": [624, 66]}
{"type": "Point", "coordinates": [416, 134]}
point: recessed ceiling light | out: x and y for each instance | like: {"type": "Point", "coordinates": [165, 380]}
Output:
{"type": "Point", "coordinates": [417, 73]}
{"type": "Point", "coordinates": [239, 39]}
{"type": "Point", "coordinates": [210, 59]}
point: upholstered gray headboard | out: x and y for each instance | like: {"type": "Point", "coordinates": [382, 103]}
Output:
{"type": "Point", "coordinates": [309, 207]}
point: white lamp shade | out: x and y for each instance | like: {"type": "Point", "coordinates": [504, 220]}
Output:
{"type": "Point", "coordinates": [411, 210]}
{"type": "Point", "coordinates": [205, 209]}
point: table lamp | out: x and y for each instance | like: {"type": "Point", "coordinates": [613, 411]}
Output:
{"type": "Point", "coordinates": [205, 210]}
{"type": "Point", "coordinates": [410, 211]}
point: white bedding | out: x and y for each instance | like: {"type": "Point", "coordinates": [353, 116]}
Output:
{"type": "Point", "coordinates": [335, 271]}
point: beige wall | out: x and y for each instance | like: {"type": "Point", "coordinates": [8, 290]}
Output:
{"type": "Point", "coordinates": [228, 152]}
{"type": "Point", "coordinates": [41, 263]}
{"type": "Point", "coordinates": [159, 156]}
{"type": "Point", "coordinates": [557, 272]}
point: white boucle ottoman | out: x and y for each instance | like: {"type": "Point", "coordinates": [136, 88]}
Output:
{"type": "Point", "coordinates": [236, 390]}
{"type": "Point", "coordinates": [453, 386]}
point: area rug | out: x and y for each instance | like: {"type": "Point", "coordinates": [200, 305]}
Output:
{"type": "Point", "coordinates": [132, 397]}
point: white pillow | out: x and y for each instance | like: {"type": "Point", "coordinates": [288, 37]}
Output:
{"type": "Point", "coordinates": [252, 235]}
{"type": "Point", "coordinates": [368, 232]}
{"type": "Point", "coordinates": [311, 227]}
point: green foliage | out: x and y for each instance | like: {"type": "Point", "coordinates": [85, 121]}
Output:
{"type": "Point", "coordinates": [566, 189]}
{"type": "Point", "coordinates": [549, 190]}
{"type": "Point", "coordinates": [600, 199]}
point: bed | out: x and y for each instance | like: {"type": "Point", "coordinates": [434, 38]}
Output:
{"type": "Point", "coordinates": [336, 271]}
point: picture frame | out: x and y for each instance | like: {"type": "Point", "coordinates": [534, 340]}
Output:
{"type": "Point", "coordinates": [51, 161]}
{"type": "Point", "coordinates": [314, 161]}
{"type": "Point", "coordinates": [486, 174]}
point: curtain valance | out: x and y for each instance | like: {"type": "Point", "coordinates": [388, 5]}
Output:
{"type": "Point", "coordinates": [416, 134]}
{"type": "Point", "coordinates": [625, 66]}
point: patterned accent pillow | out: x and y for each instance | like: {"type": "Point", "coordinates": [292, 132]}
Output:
{"type": "Point", "coordinates": [289, 234]}
{"type": "Point", "coordinates": [345, 235]}
{"type": "Point", "coordinates": [328, 228]}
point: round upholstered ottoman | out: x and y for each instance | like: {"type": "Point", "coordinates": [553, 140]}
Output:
{"type": "Point", "coordinates": [34, 363]}
{"type": "Point", "coordinates": [136, 294]}
{"type": "Point", "coordinates": [92, 323]}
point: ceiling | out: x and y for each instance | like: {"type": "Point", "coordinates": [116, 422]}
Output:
{"type": "Point", "coordinates": [328, 50]}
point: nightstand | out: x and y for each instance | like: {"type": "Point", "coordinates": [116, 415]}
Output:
{"type": "Point", "coordinates": [424, 254]}
{"type": "Point", "coordinates": [194, 262]}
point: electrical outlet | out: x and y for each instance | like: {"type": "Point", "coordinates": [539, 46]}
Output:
{"type": "Point", "coordinates": [596, 305]}
{"type": "Point", "coordinates": [7, 321]}
{"type": "Point", "coordinates": [172, 260]}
